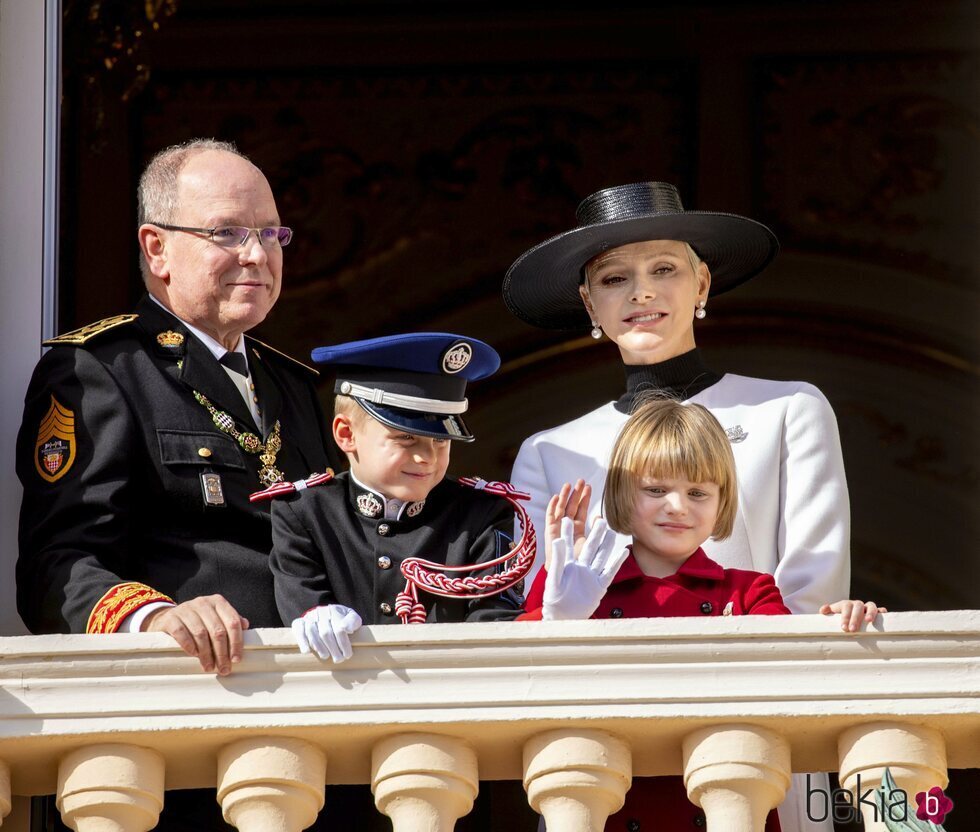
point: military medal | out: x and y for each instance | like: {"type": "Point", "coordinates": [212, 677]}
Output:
{"type": "Point", "coordinates": [249, 442]}
{"type": "Point", "coordinates": [214, 495]}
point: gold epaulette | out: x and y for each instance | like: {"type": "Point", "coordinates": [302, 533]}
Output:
{"type": "Point", "coordinates": [87, 333]}
{"type": "Point", "coordinates": [119, 602]}
{"type": "Point", "coordinates": [257, 342]}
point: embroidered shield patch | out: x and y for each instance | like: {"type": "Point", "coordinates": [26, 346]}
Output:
{"type": "Point", "coordinates": [54, 451]}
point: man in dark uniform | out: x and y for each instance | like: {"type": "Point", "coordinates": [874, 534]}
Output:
{"type": "Point", "coordinates": [144, 434]}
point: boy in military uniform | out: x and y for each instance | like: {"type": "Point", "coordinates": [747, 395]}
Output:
{"type": "Point", "coordinates": [339, 543]}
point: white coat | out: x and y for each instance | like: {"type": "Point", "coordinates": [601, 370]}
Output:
{"type": "Point", "coordinates": [793, 518]}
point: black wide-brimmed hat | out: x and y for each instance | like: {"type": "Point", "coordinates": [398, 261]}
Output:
{"type": "Point", "coordinates": [541, 287]}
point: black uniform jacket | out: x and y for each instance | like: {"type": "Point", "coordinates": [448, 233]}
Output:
{"type": "Point", "coordinates": [130, 505]}
{"type": "Point", "coordinates": [326, 550]}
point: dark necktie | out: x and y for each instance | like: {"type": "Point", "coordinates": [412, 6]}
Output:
{"type": "Point", "coordinates": [235, 361]}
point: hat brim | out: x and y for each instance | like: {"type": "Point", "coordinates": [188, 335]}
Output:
{"type": "Point", "coordinates": [432, 425]}
{"type": "Point", "coordinates": [541, 287]}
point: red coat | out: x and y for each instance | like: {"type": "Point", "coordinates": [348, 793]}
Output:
{"type": "Point", "coordinates": [699, 587]}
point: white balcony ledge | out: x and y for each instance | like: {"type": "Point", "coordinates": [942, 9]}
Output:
{"type": "Point", "coordinates": [651, 682]}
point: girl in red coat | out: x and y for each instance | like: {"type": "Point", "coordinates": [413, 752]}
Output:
{"type": "Point", "coordinates": [671, 485]}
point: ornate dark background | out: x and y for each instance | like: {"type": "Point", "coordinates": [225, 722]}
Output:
{"type": "Point", "coordinates": [418, 148]}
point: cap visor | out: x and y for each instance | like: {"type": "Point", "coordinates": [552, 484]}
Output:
{"type": "Point", "coordinates": [435, 426]}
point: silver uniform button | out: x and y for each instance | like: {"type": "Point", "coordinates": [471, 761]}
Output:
{"type": "Point", "coordinates": [383, 529]}
{"type": "Point", "coordinates": [385, 608]}
{"type": "Point", "coordinates": [384, 562]}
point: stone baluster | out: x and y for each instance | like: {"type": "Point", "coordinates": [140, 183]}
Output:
{"type": "Point", "coordinates": [736, 774]}
{"type": "Point", "coordinates": [577, 778]}
{"type": "Point", "coordinates": [915, 755]}
{"type": "Point", "coordinates": [423, 782]}
{"type": "Point", "coordinates": [271, 784]}
{"type": "Point", "coordinates": [5, 798]}
{"type": "Point", "coordinates": [111, 788]}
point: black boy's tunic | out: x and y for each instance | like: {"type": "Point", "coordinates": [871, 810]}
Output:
{"type": "Point", "coordinates": [327, 550]}
{"type": "Point", "coordinates": [332, 545]}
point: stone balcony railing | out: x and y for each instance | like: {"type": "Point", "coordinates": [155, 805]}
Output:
{"type": "Point", "coordinates": [574, 709]}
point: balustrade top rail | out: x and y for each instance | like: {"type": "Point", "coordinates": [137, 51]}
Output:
{"type": "Point", "coordinates": [650, 681]}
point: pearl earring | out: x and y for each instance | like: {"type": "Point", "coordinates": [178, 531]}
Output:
{"type": "Point", "coordinates": [596, 330]}
{"type": "Point", "coordinates": [700, 313]}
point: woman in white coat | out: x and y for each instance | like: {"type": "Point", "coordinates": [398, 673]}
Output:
{"type": "Point", "coordinates": [641, 269]}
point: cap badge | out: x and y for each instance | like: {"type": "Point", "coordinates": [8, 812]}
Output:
{"type": "Point", "coordinates": [170, 339]}
{"type": "Point", "coordinates": [457, 357]}
{"type": "Point", "coordinates": [369, 505]}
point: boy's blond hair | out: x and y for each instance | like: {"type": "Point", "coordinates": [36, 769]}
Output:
{"type": "Point", "coordinates": [664, 438]}
{"type": "Point", "coordinates": [346, 406]}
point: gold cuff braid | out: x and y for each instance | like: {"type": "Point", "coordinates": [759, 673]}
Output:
{"type": "Point", "coordinates": [119, 602]}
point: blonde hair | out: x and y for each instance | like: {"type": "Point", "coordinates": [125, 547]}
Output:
{"type": "Point", "coordinates": [692, 258]}
{"type": "Point", "coordinates": [346, 406]}
{"type": "Point", "coordinates": [664, 438]}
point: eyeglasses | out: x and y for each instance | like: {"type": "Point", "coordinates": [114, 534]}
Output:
{"type": "Point", "coordinates": [232, 236]}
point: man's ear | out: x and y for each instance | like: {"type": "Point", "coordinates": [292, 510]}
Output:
{"type": "Point", "coordinates": [343, 433]}
{"type": "Point", "coordinates": [154, 249]}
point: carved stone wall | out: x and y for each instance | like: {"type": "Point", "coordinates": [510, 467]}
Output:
{"type": "Point", "coordinates": [417, 149]}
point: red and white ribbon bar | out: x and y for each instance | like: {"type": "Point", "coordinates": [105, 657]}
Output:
{"type": "Point", "coordinates": [280, 488]}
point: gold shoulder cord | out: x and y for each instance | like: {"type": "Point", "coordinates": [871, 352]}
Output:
{"type": "Point", "coordinates": [90, 331]}
{"type": "Point", "coordinates": [249, 442]}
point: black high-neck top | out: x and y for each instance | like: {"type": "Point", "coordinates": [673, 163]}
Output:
{"type": "Point", "coordinates": [677, 378]}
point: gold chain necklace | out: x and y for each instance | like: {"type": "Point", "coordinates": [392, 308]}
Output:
{"type": "Point", "coordinates": [249, 442]}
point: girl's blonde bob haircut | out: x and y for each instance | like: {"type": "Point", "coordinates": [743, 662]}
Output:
{"type": "Point", "coordinates": [666, 439]}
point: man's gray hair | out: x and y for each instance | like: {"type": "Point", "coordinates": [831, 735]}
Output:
{"type": "Point", "coordinates": [157, 192]}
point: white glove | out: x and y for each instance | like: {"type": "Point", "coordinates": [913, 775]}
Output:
{"type": "Point", "coordinates": [326, 631]}
{"type": "Point", "coordinates": [575, 586]}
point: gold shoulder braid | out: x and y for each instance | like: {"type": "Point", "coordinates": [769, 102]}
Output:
{"type": "Point", "coordinates": [90, 331]}
{"type": "Point", "coordinates": [250, 443]}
